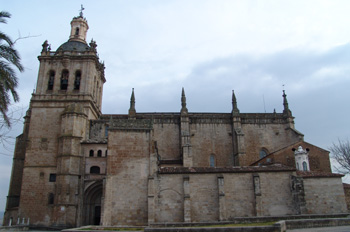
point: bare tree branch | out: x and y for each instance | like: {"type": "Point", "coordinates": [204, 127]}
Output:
{"type": "Point", "coordinates": [24, 37]}
{"type": "Point", "coordinates": [340, 151]}
{"type": "Point", "coordinates": [7, 141]}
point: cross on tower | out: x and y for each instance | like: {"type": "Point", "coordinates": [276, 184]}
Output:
{"type": "Point", "coordinates": [81, 10]}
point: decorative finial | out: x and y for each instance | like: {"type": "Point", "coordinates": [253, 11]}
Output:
{"type": "Point", "coordinates": [81, 11]}
{"type": "Point", "coordinates": [45, 46]}
{"type": "Point", "coordinates": [183, 102]}
{"type": "Point", "coordinates": [93, 45]}
{"type": "Point", "coordinates": [286, 110]}
{"type": "Point", "coordinates": [235, 109]}
{"type": "Point", "coordinates": [132, 110]}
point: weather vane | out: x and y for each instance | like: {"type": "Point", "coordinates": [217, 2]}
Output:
{"type": "Point", "coordinates": [81, 10]}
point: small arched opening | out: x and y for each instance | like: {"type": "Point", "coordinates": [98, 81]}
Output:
{"type": "Point", "coordinates": [51, 80]}
{"type": "Point", "coordinates": [64, 79]}
{"type": "Point", "coordinates": [91, 154]}
{"type": "Point", "coordinates": [95, 170]}
{"type": "Point", "coordinates": [77, 80]}
{"type": "Point", "coordinates": [99, 153]}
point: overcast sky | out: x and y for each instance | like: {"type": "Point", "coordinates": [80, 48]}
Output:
{"type": "Point", "coordinates": [209, 48]}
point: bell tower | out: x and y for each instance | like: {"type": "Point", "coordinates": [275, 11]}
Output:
{"type": "Point", "coordinates": [79, 29]}
{"type": "Point", "coordinates": [68, 95]}
{"type": "Point", "coordinates": [73, 72]}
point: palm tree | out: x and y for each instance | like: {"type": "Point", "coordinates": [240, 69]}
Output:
{"type": "Point", "coordinates": [8, 79]}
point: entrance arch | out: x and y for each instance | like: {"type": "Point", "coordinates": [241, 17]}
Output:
{"type": "Point", "coordinates": [93, 204]}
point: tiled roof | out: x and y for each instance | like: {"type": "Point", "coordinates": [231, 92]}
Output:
{"type": "Point", "coordinates": [311, 174]}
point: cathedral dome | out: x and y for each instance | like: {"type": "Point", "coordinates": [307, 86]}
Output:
{"type": "Point", "coordinates": [73, 46]}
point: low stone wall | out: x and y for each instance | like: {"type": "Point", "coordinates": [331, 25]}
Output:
{"type": "Point", "coordinates": [312, 223]}
{"type": "Point", "coordinates": [238, 220]}
{"type": "Point", "coordinates": [274, 228]}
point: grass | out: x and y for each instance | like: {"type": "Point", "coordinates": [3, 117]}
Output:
{"type": "Point", "coordinates": [114, 229]}
{"type": "Point", "coordinates": [210, 226]}
{"type": "Point", "coordinates": [242, 224]}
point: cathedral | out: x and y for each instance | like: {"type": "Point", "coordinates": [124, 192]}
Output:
{"type": "Point", "coordinates": [75, 166]}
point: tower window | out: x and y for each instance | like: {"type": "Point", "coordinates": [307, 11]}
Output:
{"type": "Point", "coordinates": [51, 80]}
{"type": "Point", "coordinates": [52, 177]}
{"type": "Point", "coordinates": [51, 199]}
{"type": "Point", "coordinates": [95, 170]}
{"type": "Point", "coordinates": [91, 153]}
{"type": "Point", "coordinates": [77, 80]}
{"type": "Point", "coordinates": [212, 160]}
{"type": "Point", "coordinates": [64, 79]}
{"type": "Point", "coordinates": [77, 31]}
{"type": "Point", "coordinates": [99, 153]}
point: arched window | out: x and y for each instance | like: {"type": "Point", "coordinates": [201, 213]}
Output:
{"type": "Point", "coordinates": [212, 160]}
{"type": "Point", "coordinates": [77, 31]}
{"type": "Point", "coordinates": [91, 153]}
{"type": "Point", "coordinates": [64, 79]}
{"type": "Point", "coordinates": [51, 80]}
{"type": "Point", "coordinates": [298, 166]}
{"type": "Point", "coordinates": [99, 153]}
{"type": "Point", "coordinates": [95, 170]}
{"type": "Point", "coordinates": [106, 131]}
{"type": "Point", "coordinates": [77, 80]}
{"type": "Point", "coordinates": [51, 199]}
{"type": "Point", "coordinates": [106, 153]}
{"type": "Point", "coordinates": [304, 166]}
{"type": "Point", "coordinates": [262, 153]}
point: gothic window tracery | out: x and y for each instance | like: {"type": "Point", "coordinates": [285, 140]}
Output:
{"type": "Point", "coordinates": [64, 79]}
{"type": "Point", "coordinates": [51, 80]}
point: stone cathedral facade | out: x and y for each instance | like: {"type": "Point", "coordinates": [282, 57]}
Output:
{"type": "Point", "coordinates": [75, 166]}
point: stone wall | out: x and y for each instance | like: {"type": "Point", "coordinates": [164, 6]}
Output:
{"type": "Point", "coordinates": [215, 196]}
{"type": "Point", "coordinates": [211, 139]}
{"type": "Point", "coordinates": [347, 195]}
{"type": "Point", "coordinates": [324, 195]}
{"type": "Point", "coordinates": [167, 136]}
{"type": "Point", "coordinates": [169, 199]}
{"type": "Point", "coordinates": [34, 204]}
{"type": "Point", "coordinates": [127, 175]}
{"type": "Point", "coordinates": [270, 137]}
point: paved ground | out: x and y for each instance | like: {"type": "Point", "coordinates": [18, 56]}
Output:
{"type": "Point", "coordinates": [325, 229]}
